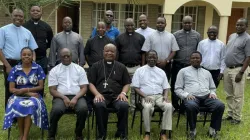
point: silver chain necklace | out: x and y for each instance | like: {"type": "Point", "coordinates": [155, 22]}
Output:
{"type": "Point", "coordinates": [106, 79]}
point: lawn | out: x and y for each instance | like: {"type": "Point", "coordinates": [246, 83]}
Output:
{"type": "Point", "coordinates": [67, 124]}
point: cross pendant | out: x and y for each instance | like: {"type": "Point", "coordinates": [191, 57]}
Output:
{"type": "Point", "coordinates": [105, 84]}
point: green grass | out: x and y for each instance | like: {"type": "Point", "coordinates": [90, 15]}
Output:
{"type": "Point", "coordinates": [67, 124]}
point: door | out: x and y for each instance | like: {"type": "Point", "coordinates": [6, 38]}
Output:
{"type": "Point", "coordinates": [236, 13]}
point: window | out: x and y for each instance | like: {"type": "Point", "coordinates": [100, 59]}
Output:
{"type": "Point", "coordinates": [121, 12]}
{"type": "Point", "coordinates": [180, 13]}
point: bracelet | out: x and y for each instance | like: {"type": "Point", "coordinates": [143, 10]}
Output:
{"type": "Point", "coordinates": [124, 93]}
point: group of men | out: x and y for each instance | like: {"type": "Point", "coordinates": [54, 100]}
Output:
{"type": "Point", "coordinates": [149, 57]}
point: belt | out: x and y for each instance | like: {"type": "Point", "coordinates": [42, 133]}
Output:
{"type": "Point", "coordinates": [12, 60]}
{"type": "Point", "coordinates": [236, 66]}
{"type": "Point", "coordinates": [131, 65]}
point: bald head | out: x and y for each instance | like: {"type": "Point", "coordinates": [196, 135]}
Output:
{"type": "Point", "coordinates": [67, 24]}
{"type": "Point", "coordinates": [108, 17]}
{"type": "Point", "coordinates": [187, 23]}
{"type": "Point", "coordinates": [109, 52]}
{"type": "Point", "coordinates": [101, 28]}
{"type": "Point", "coordinates": [17, 17]}
{"type": "Point", "coordinates": [65, 56]}
{"type": "Point", "coordinates": [212, 32]}
{"type": "Point", "coordinates": [143, 21]}
{"type": "Point", "coordinates": [129, 25]}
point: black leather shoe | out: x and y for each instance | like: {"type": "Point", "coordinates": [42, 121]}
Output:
{"type": "Point", "coordinates": [79, 138]}
{"type": "Point", "coordinates": [235, 122]}
{"type": "Point", "coordinates": [229, 118]}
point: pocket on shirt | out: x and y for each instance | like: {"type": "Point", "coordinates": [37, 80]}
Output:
{"type": "Point", "coordinates": [26, 42]}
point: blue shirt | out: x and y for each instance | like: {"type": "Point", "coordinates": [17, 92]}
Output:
{"type": "Point", "coordinates": [112, 33]}
{"type": "Point", "coordinates": [22, 80]}
{"type": "Point", "coordinates": [13, 39]}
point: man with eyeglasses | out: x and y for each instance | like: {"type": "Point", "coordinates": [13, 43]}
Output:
{"type": "Point", "coordinates": [212, 51]}
{"type": "Point", "coordinates": [129, 45]}
{"type": "Point", "coordinates": [111, 31]}
{"type": "Point", "coordinates": [67, 39]}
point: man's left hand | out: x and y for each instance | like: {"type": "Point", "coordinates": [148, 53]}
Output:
{"type": "Point", "coordinates": [161, 63]}
{"type": "Point", "coordinates": [238, 77]}
{"type": "Point", "coordinates": [213, 96]}
{"type": "Point", "coordinates": [122, 97]}
{"type": "Point", "coordinates": [72, 103]}
{"type": "Point", "coordinates": [220, 76]}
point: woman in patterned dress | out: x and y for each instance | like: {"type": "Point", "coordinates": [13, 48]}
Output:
{"type": "Point", "coordinates": [26, 104]}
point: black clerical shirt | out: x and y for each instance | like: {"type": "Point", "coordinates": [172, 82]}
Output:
{"type": "Point", "coordinates": [94, 48]}
{"type": "Point", "coordinates": [129, 47]}
{"type": "Point", "coordinates": [43, 35]}
{"type": "Point", "coordinates": [119, 77]}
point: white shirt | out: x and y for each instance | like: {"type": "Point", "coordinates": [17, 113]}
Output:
{"type": "Point", "coordinates": [150, 80]}
{"type": "Point", "coordinates": [145, 32]}
{"type": "Point", "coordinates": [197, 82]}
{"type": "Point", "coordinates": [212, 54]}
{"type": "Point", "coordinates": [68, 79]}
{"type": "Point", "coordinates": [162, 42]}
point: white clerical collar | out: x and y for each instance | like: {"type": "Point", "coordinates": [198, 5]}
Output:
{"type": "Point", "coordinates": [108, 62]}
{"type": "Point", "coordinates": [35, 23]}
{"type": "Point", "coordinates": [67, 33]}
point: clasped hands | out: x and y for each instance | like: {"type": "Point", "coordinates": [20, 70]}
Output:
{"type": "Point", "coordinates": [69, 103]}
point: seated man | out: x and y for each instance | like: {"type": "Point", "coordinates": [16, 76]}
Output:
{"type": "Point", "coordinates": [196, 87]}
{"type": "Point", "coordinates": [67, 84]}
{"type": "Point", "coordinates": [109, 82]}
{"type": "Point", "coordinates": [152, 85]}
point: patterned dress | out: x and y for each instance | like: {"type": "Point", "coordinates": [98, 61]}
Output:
{"type": "Point", "coordinates": [20, 106]}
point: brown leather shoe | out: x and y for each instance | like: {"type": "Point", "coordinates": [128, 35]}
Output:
{"type": "Point", "coordinates": [147, 137]}
{"type": "Point", "coordinates": [164, 137]}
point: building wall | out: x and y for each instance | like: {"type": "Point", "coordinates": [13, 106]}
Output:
{"type": "Point", "coordinates": [86, 19]}
{"type": "Point", "coordinates": [50, 17]}
{"type": "Point", "coordinates": [152, 15]}
{"type": "Point", "coordinates": [201, 20]}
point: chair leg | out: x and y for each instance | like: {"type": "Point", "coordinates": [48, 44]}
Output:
{"type": "Point", "coordinates": [160, 113]}
{"type": "Point", "coordinates": [88, 126]}
{"type": "Point", "coordinates": [42, 134]}
{"type": "Point", "coordinates": [187, 126]}
{"type": "Point", "coordinates": [205, 119]}
{"type": "Point", "coordinates": [169, 134]}
{"type": "Point", "coordinates": [93, 116]}
{"type": "Point", "coordinates": [133, 119]}
{"type": "Point", "coordinates": [178, 120]}
{"type": "Point", "coordinates": [9, 133]}
{"type": "Point", "coordinates": [141, 124]}
{"type": "Point", "coordinates": [96, 133]}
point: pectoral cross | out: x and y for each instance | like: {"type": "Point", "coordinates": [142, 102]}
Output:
{"type": "Point", "coordinates": [105, 84]}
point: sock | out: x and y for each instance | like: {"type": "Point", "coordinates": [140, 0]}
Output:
{"type": "Point", "coordinates": [211, 131]}
{"type": "Point", "coordinates": [147, 133]}
{"type": "Point", "coordinates": [163, 132]}
{"type": "Point", "coordinates": [194, 131]}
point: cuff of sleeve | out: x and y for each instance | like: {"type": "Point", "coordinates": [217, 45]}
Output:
{"type": "Point", "coordinates": [221, 70]}
{"type": "Point", "coordinates": [185, 94]}
{"type": "Point", "coordinates": [213, 93]}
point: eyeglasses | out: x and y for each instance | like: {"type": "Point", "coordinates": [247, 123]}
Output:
{"type": "Point", "coordinates": [108, 15]}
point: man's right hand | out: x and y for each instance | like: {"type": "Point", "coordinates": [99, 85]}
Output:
{"type": "Point", "coordinates": [190, 97]}
{"type": "Point", "coordinates": [8, 69]}
{"type": "Point", "coordinates": [148, 99]}
{"type": "Point", "coordinates": [66, 101]}
{"type": "Point", "coordinates": [98, 98]}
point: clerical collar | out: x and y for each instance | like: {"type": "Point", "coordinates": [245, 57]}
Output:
{"type": "Point", "coordinates": [67, 33]}
{"type": "Point", "coordinates": [35, 22]}
{"type": "Point", "coordinates": [100, 36]}
{"type": "Point", "coordinates": [108, 62]}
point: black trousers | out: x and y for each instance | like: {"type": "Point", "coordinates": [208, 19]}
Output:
{"type": "Point", "coordinates": [58, 109]}
{"type": "Point", "coordinates": [176, 67]}
{"type": "Point", "coordinates": [167, 70]}
{"type": "Point", "coordinates": [215, 106]}
{"type": "Point", "coordinates": [6, 82]}
{"type": "Point", "coordinates": [102, 117]}
{"type": "Point", "coordinates": [215, 74]}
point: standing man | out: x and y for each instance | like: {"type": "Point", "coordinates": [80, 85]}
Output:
{"type": "Point", "coordinates": [129, 45]}
{"type": "Point", "coordinates": [67, 84]}
{"type": "Point", "coordinates": [42, 33]}
{"type": "Point", "coordinates": [151, 84]}
{"type": "Point", "coordinates": [111, 31]}
{"type": "Point", "coordinates": [109, 83]}
{"type": "Point", "coordinates": [94, 47]}
{"type": "Point", "coordinates": [14, 37]}
{"type": "Point", "coordinates": [188, 40]}
{"type": "Point", "coordinates": [237, 58]}
{"type": "Point", "coordinates": [196, 87]}
{"type": "Point", "coordinates": [212, 51]}
{"type": "Point", "coordinates": [144, 29]}
{"type": "Point", "coordinates": [165, 45]}
{"type": "Point", "coordinates": [67, 39]}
